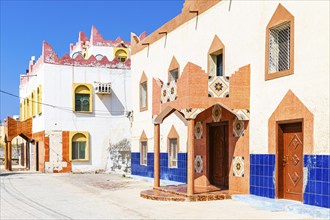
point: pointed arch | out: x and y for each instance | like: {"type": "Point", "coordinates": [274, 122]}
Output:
{"type": "Point", "coordinates": [216, 58]}
{"type": "Point", "coordinates": [173, 69]}
{"type": "Point", "coordinates": [291, 109]}
{"type": "Point", "coordinates": [280, 26]}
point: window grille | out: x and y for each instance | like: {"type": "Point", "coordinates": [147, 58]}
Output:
{"type": "Point", "coordinates": [279, 48]}
{"type": "Point", "coordinates": [82, 102]}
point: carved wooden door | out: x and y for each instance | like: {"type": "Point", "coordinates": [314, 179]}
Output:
{"type": "Point", "coordinates": [292, 161]}
{"type": "Point", "coordinates": [219, 155]}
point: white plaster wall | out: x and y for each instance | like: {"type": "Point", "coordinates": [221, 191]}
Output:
{"type": "Point", "coordinates": [242, 31]}
{"type": "Point", "coordinates": [107, 123]}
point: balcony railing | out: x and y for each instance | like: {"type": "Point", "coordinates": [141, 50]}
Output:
{"type": "Point", "coordinates": [102, 88]}
{"type": "Point", "coordinates": [219, 86]}
{"type": "Point", "coordinates": [168, 92]}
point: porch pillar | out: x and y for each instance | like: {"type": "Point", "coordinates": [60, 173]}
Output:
{"type": "Point", "coordinates": [8, 156]}
{"type": "Point", "coordinates": [156, 155]}
{"type": "Point", "coordinates": [191, 155]}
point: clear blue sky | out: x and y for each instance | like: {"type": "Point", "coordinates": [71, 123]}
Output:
{"type": "Point", "coordinates": [25, 24]}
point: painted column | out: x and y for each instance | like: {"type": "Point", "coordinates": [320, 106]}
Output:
{"type": "Point", "coordinates": [191, 155]}
{"type": "Point", "coordinates": [6, 156]}
{"type": "Point", "coordinates": [9, 156]}
{"type": "Point", "coordinates": [156, 155]}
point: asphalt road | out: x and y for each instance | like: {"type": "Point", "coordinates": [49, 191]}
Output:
{"type": "Point", "coordinates": [107, 196]}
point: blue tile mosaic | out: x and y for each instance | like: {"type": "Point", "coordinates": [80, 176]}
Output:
{"type": "Point", "coordinates": [317, 191]}
{"type": "Point", "coordinates": [317, 167]}
{"type": "Point", "coordinates": [178, 174]}
{"type": "Point", "coordinates": [262, 167]}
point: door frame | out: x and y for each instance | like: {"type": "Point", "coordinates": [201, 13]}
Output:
{"type": "Point", "coordinates": [215, 124]}
{"type": "Point", "coordinates": [277, 159]}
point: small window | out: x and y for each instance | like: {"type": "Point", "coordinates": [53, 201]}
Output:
{"type": "Point", "coordinates": [143, 95]}
{"type": "Point", "coordinates": [217, 64]}
{"type": "Point", "coordinates": [143, 152]}
{"type": "Point", "coordinates": [39, 98]}
{"type": "Point", "coordinates": [174, 75]}
{"type": "Point", "coordinates": [79, 143]}
{"type": "Point", "coordinates": [279, 56]}
{"type": "Point", "coordinates": [82, 101]}
{"type": "Point", "coordinates": [78, 150]}
{"type": "Point", "coordinates": [279, 48]}
{"type": "Point", "coordinates": [173, 153]}
{"type": "Point", "coordinates": [121, 54]}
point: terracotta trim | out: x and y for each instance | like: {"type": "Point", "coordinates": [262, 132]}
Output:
{"type": "Point", "coordinates": [143, 79]}
{"type": "Point", "coordinates": [280, 16]}
{"type": "Point", "coordinates": [185, 16]}
{"type": "Point", "coordinates": [289, 110]}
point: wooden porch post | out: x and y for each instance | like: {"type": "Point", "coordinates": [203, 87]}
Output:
{"type": "Point", "coordinates": [9, 157]}
{"type": "Point", "coordinates": [191, 155]}
{"type": "Point", "coordinates": [156, 155]}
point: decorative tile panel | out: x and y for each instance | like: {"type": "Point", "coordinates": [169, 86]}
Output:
{"type": "Point", "coordinates": [168, 92]}
{"type": "Point", "coordinates": [219, 86]}
{"type": "Point", "coordinates": [238, 166]}
{"type": "Point", "coordinates": [238, 127]}
{"type": "Point", "coordinates": [191, 113]}
{"type": "Point", "coordinates": [216, 113]}
{"type": "Point", "coordinates": [199, 130]}
{"type": "Point", "coordinates": [243, 114]}
{"type": "Point", "coordinates": [198, 164]}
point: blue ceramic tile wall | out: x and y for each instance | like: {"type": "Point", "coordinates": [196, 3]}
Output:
{"type": "Point", "coordinates": [262, 167]}
{"type": "Point", "coordinates": [178, 174]}
{"type": "Point", "coordinates": [317, 191]}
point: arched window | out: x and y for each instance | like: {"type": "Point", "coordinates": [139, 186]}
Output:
{"type": "Point", "coordinates": [76, 54]}
{"type": "Point", "coordinates": [79, 146]}
{"type": "Point", "coordinates": [99, 57]}
{"type": "Point", "coordinates": [82, 97]}
{"type": "Point", "coordinates": [121, 54]}
{"type": "Point", "coordinates": [33, 103]}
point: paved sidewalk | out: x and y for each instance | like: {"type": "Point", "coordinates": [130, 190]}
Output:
{"type": "Point", "coordinates": [108, 196]}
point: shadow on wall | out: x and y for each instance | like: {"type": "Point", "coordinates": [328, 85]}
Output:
{"type": "Point", "coordinates": [119, 157]}
{"type": "Point", "coordinates": [116, 108]}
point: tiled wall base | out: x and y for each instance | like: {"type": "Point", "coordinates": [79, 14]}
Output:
{"type": "Point", "coordinates": [261, 178]}
{"type": "Point", "coordinates": [178, 174]}
{"type": "Point", "coordinates": [316, 181]}
{"type": "Point", "coordinates": [317, 191]}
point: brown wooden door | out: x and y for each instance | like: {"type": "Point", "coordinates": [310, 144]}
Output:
{"type": "Point", "coordinates": [218, 154]}
{"type": "Point", "coordinates": [291, 162]}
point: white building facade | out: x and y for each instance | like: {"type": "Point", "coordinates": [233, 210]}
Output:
{"type": "Point", "coordinates": [80, 106]}
{"type": "Point", "coordinates": [253, 76]}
